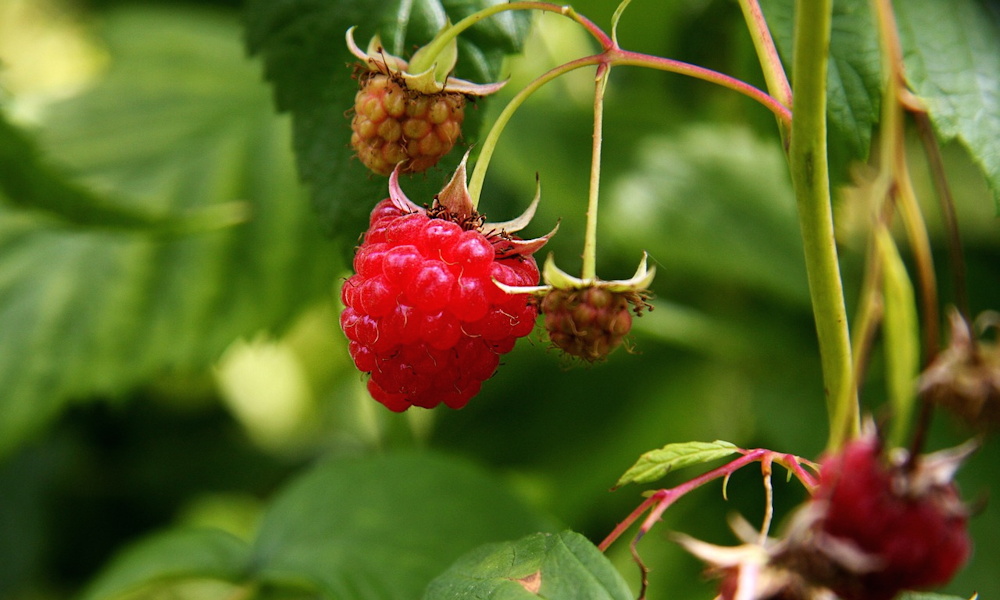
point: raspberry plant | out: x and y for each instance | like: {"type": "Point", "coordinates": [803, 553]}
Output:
{"type": "Point", "coordinates": [212, 389]}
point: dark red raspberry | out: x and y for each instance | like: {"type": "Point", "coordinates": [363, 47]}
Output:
{"type": "Point", "coordinates": [587, 322]}
{"type": "Point", "coordinates": [422, 312]}
{"type": "Point", "coordinates": [906, 525]}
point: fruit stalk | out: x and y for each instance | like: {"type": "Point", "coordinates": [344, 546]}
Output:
{"type": "Point", "coordinates": [589, 271]}
{"type": "Point", "coordinates": [614, 56]}
{"type": "Point", "coordinates": [811, 182]}
{"type": "Point", "coordinates": [770, 62]}
{"type": "Point", "coordinates": [442, 40]}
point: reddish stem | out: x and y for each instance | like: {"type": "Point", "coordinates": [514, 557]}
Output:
{"type": "Point", "coordinates": [663, 498]}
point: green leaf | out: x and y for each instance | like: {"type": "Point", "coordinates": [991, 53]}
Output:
{"type": "Point", "coordinates": [854, 80]}
{"type": "Point", "coordinates": [29, 183]}
{"type": "Point", "coordinates": [563, 566]}
{"type": "Point", "coordinates": [952, 56]}
{"type": "Point", "coordinates": [172, 555]}
{"type": "Point", "coordinates": [383, 527]}
{"type": "Point", "coordinates": [179, 125]}
{"type": "Point", "coordinates": [902, 336]}
{"type": "Point", "coordinates": [657, 463]}
{"type": "Point", "coordinates": [929, 596]}
{"type": "Point", "coordinates": [306, 59]}
{"type": "Point", "coordinates": [713, 201]}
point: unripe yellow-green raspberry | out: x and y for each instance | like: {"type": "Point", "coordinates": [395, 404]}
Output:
{"type": "Point", "coordinates": [393, 124]}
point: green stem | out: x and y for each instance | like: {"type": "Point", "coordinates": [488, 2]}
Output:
{"type": "Point", "coordinates": [767, 54]}
{"type": "Point", "coordinates": [893, 160]}
{"type": "Point", "coordinates": [490, 142]}
{"type": "Point", "coordinates": [613, 57]}
{"type": "Point", "coordinates": [811, 181]}
{"type": "Point", "coordinates": [590, 235]}
{"type": "Point", "coordinates": [440, 42]}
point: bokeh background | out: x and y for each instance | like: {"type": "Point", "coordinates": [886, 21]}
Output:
{"type": "Point", "coordinates": [238, 377]}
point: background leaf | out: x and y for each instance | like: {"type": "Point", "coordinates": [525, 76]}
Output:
{"type": "Point", "coordinates": [177, 554]}
{"type": "Point", "coordinates": [28, 182]}
{"type": "Point", "coordinates": [180, 123]}
{"type": "Point", "coordinates": [929, 596]}
{"type": "Point", "coordinates": [952, 56]}
{"type": "Point", "coordinates": [382, 527]}
{"type": "Point", "coordinates": [365, 528]}
{"type": "Point", "coordinates": [563, 566]}
{"type": "Point", "coordinates": [301, 43]}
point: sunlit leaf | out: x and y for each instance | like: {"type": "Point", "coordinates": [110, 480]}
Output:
{"type": "Point", "coordinates": [172, 555]}
{"type": "Point", "coordinates": [953, 63]}
{"type": "Point", "coordinates": [180, 125]}
{"type": "Point", "coordinates": [381, 528]}
{"type": "Point", "coordinates": [563, 566]}
{"type": "Point", "coordinates": [655, 464]}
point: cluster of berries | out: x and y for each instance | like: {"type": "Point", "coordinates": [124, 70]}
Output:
{"type": "Point", "coordinates": [438, 296]}
{"type": "Point", "coordinates": [431, 286]}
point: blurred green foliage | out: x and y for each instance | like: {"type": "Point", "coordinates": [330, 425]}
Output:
{"type": "Point", "coordinates": [167, 391]}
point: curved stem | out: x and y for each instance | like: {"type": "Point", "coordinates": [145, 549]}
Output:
{"type": "Point", "coordinates": [810, 178]}
{"type": "Point", "coordinates": [770, 62]}
{"type": "Point", "coordinates": [490, 142]}
{"type": "Point", "coordinates": [663, 498]}
{"type": "Point", "coordinates": [439, 43]}
{"type": "Point", "coordinates": [613, 57]}
{"type": "Point", "coordinates": [618, 56]}
{"type": "Point", "coordinates": [893, 157]}
{"type": "Point", "coordinates": [947, 204]}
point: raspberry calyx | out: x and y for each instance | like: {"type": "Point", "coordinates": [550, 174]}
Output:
{"type": "Point", "coordinates": [965, 377]}
{"type": "Point", "coordinates": [422, 312]}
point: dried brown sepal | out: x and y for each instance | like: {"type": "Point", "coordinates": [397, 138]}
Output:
{"type": "Point", "coordinates": [965, 378]}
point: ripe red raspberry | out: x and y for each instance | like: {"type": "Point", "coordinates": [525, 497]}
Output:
{"type": "Point", "coordinates": [393, 124]}
{"type": "Point", "coordinates": [906, 525]}
{"type": "Point", "coordinates": [423, 314]}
